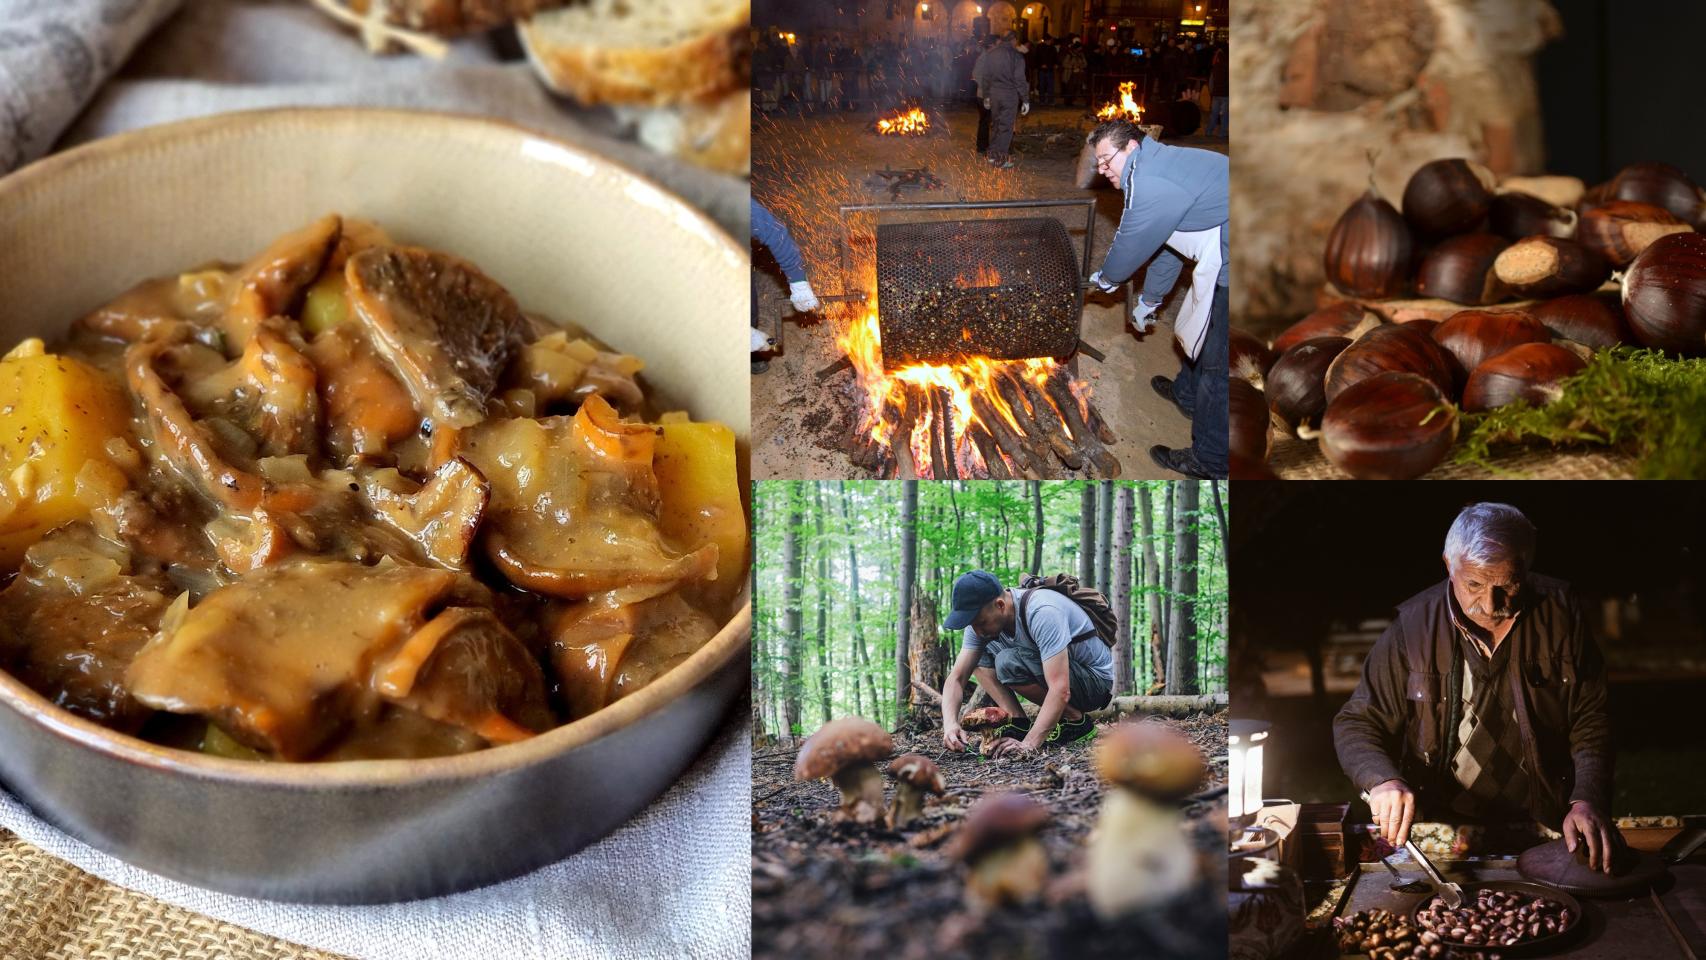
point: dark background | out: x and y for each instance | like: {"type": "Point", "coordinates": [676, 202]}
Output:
{"type": "Point", "coordinates": [1307, 558]}
{"type": "Point", "coordinates": [1624, 84]}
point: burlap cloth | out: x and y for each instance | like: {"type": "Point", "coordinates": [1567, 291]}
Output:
{"type": "Point", "coordinates": [55, 911]}
{"type": "Point", "coordinates": [1294, 459]}
{"type": "Point", "coordinates": [673, 882]}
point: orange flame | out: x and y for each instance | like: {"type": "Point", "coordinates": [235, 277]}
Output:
{"type": "Point", "coordinates": [1128, 107]}
{"type": "Point", "coordinates": [901, 124]}
{"type": "Point", "coordinates": [887, 393]}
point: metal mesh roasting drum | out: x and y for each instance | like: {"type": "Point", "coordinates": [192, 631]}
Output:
{"type": "Point", "coordinates": [1007, 288]}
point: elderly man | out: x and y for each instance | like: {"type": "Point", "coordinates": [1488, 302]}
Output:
{"type": "Point", "coordinates": [1176, 208]}
{"type": "Point", "coordinates": [1485, 699]}
{"type": "Point", "coordinates": [1036, 643]}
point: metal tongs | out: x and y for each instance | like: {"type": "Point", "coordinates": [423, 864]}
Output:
{"type": "Point", "coordinates": [1450, 892]}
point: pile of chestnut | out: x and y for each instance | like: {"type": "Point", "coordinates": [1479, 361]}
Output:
{"type": "Point", "coordinates": [1495, 918]}
{"type": "Point", "coordinates": [1383, 396]}
{"type": "Point", "coordinates": [1384, 935]}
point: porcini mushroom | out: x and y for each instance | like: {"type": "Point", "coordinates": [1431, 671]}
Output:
{"type": "Point", "coordinates": [915, 775]}
{"type": "Point", "coordinates": [844, 750]}
{"type": "Point", "coordinates": [999, 846]}
{"type": "Point", "coordinates": [986, 723]}
{"type": "Point", "coordinates": [1138, 854]}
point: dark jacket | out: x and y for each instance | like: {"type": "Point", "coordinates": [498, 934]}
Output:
{"type": "Point", "coordinates": [1402, 720]}
{"type": "Point", "coordinates": [1003, 74]}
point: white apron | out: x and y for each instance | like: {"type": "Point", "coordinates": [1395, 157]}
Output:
{"type": "Point", "coordinates": [1203, 246]}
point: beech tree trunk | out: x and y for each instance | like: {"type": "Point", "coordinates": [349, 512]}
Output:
{"type": "Point", "coordinates": [824, 662]}
{"type": "Point", "coordinates": [908, 574]}
{"type": "Point", "coordinates": [1151, 588]}
{"type": "Point", "coordinates": [1104, 535]}
{"type": "Point", "coordinates": [858, 626]}
{"type": "Point", "coordinates": [794, 662]}
{"type": "Point", "coordinates": [1318, 84]}
{"type": "Point", "coordinates": [1182, 642]}
{"type": "Point", "coordinates": [1037, 544]}
{"type": "Point", "coordinates": [1122, 593]}
{"type": "Point", "coordinates": [1087, 534]}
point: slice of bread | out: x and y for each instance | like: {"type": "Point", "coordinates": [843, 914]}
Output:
{"type": "Point", "coordinates": [449, 18]}
{"type": "Point", "coordinates": [716, 135]}
{"type": "Point", "coordinates": [642, 52]}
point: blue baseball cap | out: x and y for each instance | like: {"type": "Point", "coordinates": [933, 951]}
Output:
{"type": "Point", "coordinates": [972, 592]}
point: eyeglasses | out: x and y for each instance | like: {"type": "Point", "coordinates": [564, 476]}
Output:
{"type": "Point", "coordinates": [1103, 161]}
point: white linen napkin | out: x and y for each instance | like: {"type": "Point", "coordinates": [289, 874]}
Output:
{"type": "Point", "coordinates": [674, 882]}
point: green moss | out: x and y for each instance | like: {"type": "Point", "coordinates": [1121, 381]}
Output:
{"type": "Point", "coordinates": [1639, 402]}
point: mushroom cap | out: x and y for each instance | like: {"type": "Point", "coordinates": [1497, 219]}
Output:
{"type": "Point", "coordinates": [919, 771]}
{"type": "Point", "coordinates": [839, 743]}
{"type": "Point", "coordinates": [1150, 758]}
{"type": "Point", "coordinates": [996, 820]}
{"type": "Point", "coordinates": [984, 719]}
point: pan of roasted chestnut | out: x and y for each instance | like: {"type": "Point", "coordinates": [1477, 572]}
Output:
{"type": "Point", "coordinates": [1509, 917]}
{"type": "Point", "coordinates": [369, 529]}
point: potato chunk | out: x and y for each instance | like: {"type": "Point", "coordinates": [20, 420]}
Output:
{"type": "Point", "coordinates": [700, 486]}
{"type": "Point", "coordinates": [56, 414]}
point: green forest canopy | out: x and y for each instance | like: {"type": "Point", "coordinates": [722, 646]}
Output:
{"type": "Point", "coordinates": [962, 525]}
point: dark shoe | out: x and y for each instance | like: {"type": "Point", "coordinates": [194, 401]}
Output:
{"type": "Point", "coordinates": [1071, 731]}
{"type": "Point", "coordinates": [1016, 728]}
{"type": "Point", "coordinates": [1164, 387]}
{"type": "Point", "coordinates": [1180, 460]}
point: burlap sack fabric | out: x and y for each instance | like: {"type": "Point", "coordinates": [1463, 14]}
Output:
{"type": "Point", "coordinates": [54, 911]}
{"type": "Point", "coordinates": [1296, 459]}
{"type": "Point", "coordinates": [672, 883]}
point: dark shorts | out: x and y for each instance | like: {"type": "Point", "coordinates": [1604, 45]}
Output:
{"type": "Point", "coordinates": [1021, 666]}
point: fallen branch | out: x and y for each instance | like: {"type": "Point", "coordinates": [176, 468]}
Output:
{"type": "Point", "coordinates": [1158, 706]}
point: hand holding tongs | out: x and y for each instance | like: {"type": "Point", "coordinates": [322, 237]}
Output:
{"type": "Point", "coordinates": [1450, 892]}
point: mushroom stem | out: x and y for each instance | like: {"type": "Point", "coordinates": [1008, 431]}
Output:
{"type": "Point", "coordinates": [1138, 855]}
{"type": "Point", "coordinates": [861, 789]}
{"type": "Point", "coordinates": [989, 737]}
{"type": "Point", "coordinates": [1013, 873]}
{"type": "Point", "coordinates": [908, 805]}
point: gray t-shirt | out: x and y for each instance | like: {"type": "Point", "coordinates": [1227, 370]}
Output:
{"type": "Point", "coordinates": [1051, 621]}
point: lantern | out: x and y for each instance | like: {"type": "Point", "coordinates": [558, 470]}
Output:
{"type": "Point", "coordinates": [1245, 742]}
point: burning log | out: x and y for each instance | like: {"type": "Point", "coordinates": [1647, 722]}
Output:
{"type": "Point", "coordinates": [1103, 465]}
{"type": "Point", "coordinates": [1026, 461]}
{"type": "Point", "coordinates": [1040, 422]}
{"type": "Point", "coordinates": [994, 465]}
{"type": "Point", "coordinates": [942, 465]}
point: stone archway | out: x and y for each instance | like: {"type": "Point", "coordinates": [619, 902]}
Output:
{"type": "Point", "coordinates": [1039, 18]}
{"type": "Point", "coordinates": [961, 24]}
{"type": "Point", "coordinates": [930, 18]}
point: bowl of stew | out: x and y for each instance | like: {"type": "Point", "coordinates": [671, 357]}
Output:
{"type": "Point", "coordinates": [372, 514]}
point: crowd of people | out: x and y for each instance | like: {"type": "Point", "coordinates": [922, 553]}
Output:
{"type": "Point", "coordinates": [834, 71]}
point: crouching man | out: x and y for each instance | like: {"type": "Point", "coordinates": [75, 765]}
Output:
{"type": "Point", "coordinates": [1037, 644]}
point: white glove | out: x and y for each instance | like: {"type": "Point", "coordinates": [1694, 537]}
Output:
{"type": "Point", "coordinates": [1106, 287]}
{"type": "Point", "coordinates": [988, 104]}
{"type": "Point", "coordinates": [761, 341]}
{"type": "Point", "coordinates": [1024, 109]}
{"type": "Point", "coordinates": [800, 291]}
{"type": "Point", "coordinates": [1143, 315]}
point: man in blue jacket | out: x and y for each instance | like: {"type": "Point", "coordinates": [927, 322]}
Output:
{"type": "Point", "coordinates": [1176, 203]}
{"type": "Point", "coordinates": [771, 232]}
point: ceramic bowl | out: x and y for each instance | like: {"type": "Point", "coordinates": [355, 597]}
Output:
{"type": "Point", "coordinates": [573, 236]}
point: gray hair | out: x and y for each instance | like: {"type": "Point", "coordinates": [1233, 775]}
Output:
{"type": "Point", "coordinates": [1489, 532]}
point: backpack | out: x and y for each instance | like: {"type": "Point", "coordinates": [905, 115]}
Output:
{"type": "Point", "coordinates": [1102, 619]}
